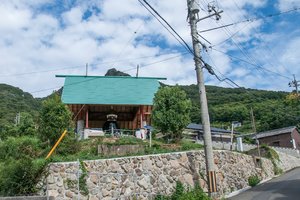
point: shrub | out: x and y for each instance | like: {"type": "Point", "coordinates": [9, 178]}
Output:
{"type": "Point", "coordinates": [181, 193]}
{"type": "Point", "coordinates": [253, 180]}
{"type": "Point", "coordinates": [55, 117]}
{"type": "Point", "coordinates": [18, 148]}
{"type": "Point", "coordinates": [20, 177]}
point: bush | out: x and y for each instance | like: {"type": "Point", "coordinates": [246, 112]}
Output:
{"type": "Point", "coordinates": [55, 117]}
{"type": "Point", "coordinates": [18, 148]}
{"type": "Point", "coordinates": [253, 180]}
{"type": "Point", "coordinates": [20, 177]}
{"type": "Point", "coordinates": [181, 193]}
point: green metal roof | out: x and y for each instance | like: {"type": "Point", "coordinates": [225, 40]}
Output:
{"type": "Point", "coordinates": [112, 90]}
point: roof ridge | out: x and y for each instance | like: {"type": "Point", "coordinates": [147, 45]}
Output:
{"type": "Point", "coordinates": [122, 77]}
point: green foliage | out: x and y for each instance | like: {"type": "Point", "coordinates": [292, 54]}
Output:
{"type": "Point", "coordinates": [69, 145]}
{"type": "Point", "coordinates": [19, 177]}
{"type": "Point", "coordinates": [18, 148]}
{"type": "Point", "coordinates": [249, 140]}
{"type": "Point", "coordinates": [82, 180]}
{"type": "Point", "coordinates": [253, 180]}
{"type": "Point", "coordinates": [181, 193]}
{"type": "Point", "coordinates": [55, 117]}
{"type": "Point", "coordinates": [272, 109]}
{"type": "Point", "coordinates": [27, 126]}
{"type": "Point", "coordinates": [129, 140]}
{"type": "Point", "coordinates": [171, 111]}
{"type": "Point", "coordinates": [13, 101]}
{"type": "Point", "coordinates": [190, 145]}
{"type": "Point", "coordinates": [274, 157]}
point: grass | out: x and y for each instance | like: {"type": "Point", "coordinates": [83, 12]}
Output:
{"type": "Point", "coordinates": [87, 149]}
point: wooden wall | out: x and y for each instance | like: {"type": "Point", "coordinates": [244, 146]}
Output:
{"type": "Point", "coordinates": [129, 116]}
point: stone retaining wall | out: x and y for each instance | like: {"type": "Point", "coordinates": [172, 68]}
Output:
{"type": "Point", "coordinates": [146, 176]}
{"type": "Point", "coordinates": [27, 198]}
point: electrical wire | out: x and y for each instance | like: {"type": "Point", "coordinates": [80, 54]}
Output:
{"type": "Point", "coordinates": [236, 58]}
{"type": "Point", "coordinates": [180, 40]}
{"type": "Point", "coordinates": [251, 20]}
{"type": "Point", "coordinates": [259, 36]}
{"type": "Point", "coordinates": [148, 64]}
{"type": "Point", "coordinates": [129, 41]}
{"type": "Point", "coordinates": [93, 64]}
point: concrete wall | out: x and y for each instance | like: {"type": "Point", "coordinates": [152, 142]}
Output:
{"type": "Point", "coordinates": [247, 147]}
{"type": "Point", "coordinates": [145, 176]}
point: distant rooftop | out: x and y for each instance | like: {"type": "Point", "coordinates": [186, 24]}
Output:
{"type": "Point", "coordinates": [279, 131]}
{"type": "Point", "coordinates": [199, 127]}
{"type": "Point", "coordinates": [109, 90]}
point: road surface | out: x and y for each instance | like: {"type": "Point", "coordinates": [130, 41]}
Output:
{"type": "Point", "coordinates": [285, 187]}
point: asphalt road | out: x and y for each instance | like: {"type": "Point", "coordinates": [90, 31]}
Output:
{"type": "Point", "coordinates": [285, 187]}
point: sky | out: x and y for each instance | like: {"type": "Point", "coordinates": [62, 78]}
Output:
{"type": "Point", "coordinates": [42, 38]}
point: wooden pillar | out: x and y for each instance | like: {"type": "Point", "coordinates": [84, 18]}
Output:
{"type": "Point", "coordinates": [141, 116]}
{"type": "Point", "coordinates": [87, 118]}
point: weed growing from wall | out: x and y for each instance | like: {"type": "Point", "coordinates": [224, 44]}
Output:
{"type": "Point", "coordinates": [274, 157]}
{"type": "Point", "coordinates": [82, 179]}
{"type": "Point", "coordinates": [253, 180]}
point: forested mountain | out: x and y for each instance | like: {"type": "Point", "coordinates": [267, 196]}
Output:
{"type": "Point", "coordinates": [12, 101]}
{"type": "Point", "coordinates": [271, 109]}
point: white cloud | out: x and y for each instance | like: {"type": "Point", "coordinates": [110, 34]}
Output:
{"type": "Point", "coordinates": [40, 40]}
{"type": "Point", "coordinates": [284, 5]}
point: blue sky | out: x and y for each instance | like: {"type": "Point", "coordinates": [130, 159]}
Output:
{"type": "Point", "coordinates": [41, 38]}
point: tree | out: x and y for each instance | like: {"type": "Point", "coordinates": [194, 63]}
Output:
{"type": "Point", "coordinates": [55, 118]}
{"type": "Point", "coordinates": [171, 111]}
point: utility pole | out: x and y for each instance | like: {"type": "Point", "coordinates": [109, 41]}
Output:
{"type": "Point", "coordinates": [18, 118]}
{"type": "Point", "coordinates": [254, 130]}
{"type": "Point", "coordinates": [295, 83]}
{"type": "Point", "coordinates": [86, 69]}
{"type": "Point", "coordinates": [137, 70]}
{"type": "Point", "coordinates": [193, 18]}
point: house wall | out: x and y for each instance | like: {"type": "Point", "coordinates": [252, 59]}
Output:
{"type": "Point", "coordinates": [296, 137]}
{"type": "Point", "coordinates": [282, 140]}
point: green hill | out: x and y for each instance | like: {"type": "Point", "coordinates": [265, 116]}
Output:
{"type": "Point", "coordinates": [14, 100]}
{"type": "Point", "coordinates": [271, 108]}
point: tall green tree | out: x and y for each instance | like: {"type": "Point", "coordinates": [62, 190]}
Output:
{"type": "Point", "coordinates": [55, 118]}
{"type": "Point", "coordinates": [171, 111]}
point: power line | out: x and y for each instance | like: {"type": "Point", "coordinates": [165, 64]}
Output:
{"type": "Point", "coordinates": [129, 41]}
{"type": "Point", "coordinates": [148, 64]}
{"type": "Point", "coordinates": [259, 36]}
{"type": "Point", "coordinates": [251, 20]}
{"type": "Point", "coordinates": [258, 66]}
{"type": "Point", "coordinates": [180, 40]}
{"type": "Point", "coordinates": [234, 34]}
{"type": "Point", "coordinates": [93, 64]}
